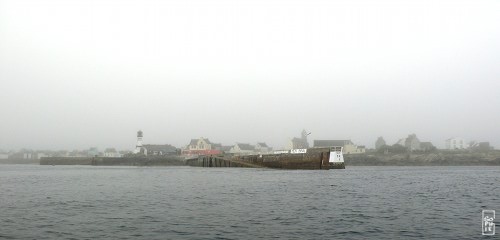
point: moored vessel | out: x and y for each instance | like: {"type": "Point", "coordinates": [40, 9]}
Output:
{"type": "Point", "coordinates": [311, 158]}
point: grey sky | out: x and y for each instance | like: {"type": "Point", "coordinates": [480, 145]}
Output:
{"type": "Point", "coordinates": [76, 74]}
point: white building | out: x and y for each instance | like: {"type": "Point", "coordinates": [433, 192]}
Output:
{"type": "Point", "coordinates": [200, 144]}
{"type": "Point", "coordinates": [348, 147]}
{"type": "Point", "coordinates": [262, 148]}
{"type": "Point", "coordinates": [41, 155]}
{"type": "Point", "coordinates": [242, 149]}
{"type": "Point", "coordinates": [456, 143]}
{"type": "Point", "coordinates": [111, 152]}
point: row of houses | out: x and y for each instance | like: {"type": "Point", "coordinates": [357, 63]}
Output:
{"type": "Point", "coordinates": [38, 154]}
{"type": "Point", "coordinates": [203, 146]}
{"type": "Point", "coordinates": [348, 147]}
{"type": "Point", "coordinates": [412, 143]}
{"type": "Point", "coordinates": [458, 143]}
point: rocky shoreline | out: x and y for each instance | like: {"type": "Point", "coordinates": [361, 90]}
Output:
{"type": "Point", "coordinates": [491, 158]}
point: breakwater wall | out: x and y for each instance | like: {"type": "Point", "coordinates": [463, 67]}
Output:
{"type": "Point", "coordinates": [66, 161]}
{"type": "Point", "coordinates": [109, 161]}
{"type": "Point", "coordinates": [19, 161]}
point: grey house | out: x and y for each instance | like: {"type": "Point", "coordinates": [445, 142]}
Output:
{"type": "Point", "coordinates": [158, 150]}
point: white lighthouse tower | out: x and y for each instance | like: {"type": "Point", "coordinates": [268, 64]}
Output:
{"type": "Point", "coordinates": [138, 146]}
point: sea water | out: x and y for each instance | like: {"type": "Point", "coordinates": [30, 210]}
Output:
{"type": "Point", "coordinates": [90, 202]}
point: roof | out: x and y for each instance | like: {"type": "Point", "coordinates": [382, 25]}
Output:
{"type": "Point", "coordinates": [245, 146]}
{"type": "Point", "coordinates": [160, 148]}
{"type": "Point", "coordinates": [401, 141]}
{"type": "Point", "coordinates": [331, 143]}
{"type": "Point", "coordinates": [225, 148]}
{"type": "Point", "coordinates": [216, 145]}
{"type": "Point", "coordinates": [262, 144]}
{"type": "Point", "coordinates": [455, 138]}
{"type": "Point", "coordinates": [195, 141]}
{"type": "Point", "coordinates": [426, 144]}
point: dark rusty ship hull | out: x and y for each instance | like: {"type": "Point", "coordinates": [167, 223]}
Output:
{"type": "Point", "coordinates": [340, 165]}
{"type": "Point", "coordinates": [314, 159]}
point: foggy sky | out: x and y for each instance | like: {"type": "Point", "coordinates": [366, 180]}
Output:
{"type": "Point", "coordinates": [77, 74]}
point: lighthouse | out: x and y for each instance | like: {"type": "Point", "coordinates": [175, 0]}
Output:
{"type": "Point", "coordinates": [138, 146]}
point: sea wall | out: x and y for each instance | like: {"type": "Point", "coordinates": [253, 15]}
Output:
{"type": "Point", "coordinates": [66, 161]}
{"type": "Point", "coordinates": [139, 161]}
{"type": "Point", "coordinates": [108, 161]}
{"type": "Point", "coordinates": [19, 161]}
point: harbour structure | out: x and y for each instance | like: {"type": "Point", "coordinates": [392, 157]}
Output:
{"type": "Point", "coordinates": [307, 158]}
{"type": "Point", "coordinates": [312, 158]}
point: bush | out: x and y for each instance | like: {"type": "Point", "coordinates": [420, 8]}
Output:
{"type": "Point", "coordinates": [396, 148]}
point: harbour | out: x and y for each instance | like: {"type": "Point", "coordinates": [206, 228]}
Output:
{"type": "Point", "coordinates": [305, 159]}
{"type": "Point", "coordinates": [242, 119]}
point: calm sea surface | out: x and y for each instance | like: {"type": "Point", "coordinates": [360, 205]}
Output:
{"type": "Point", "coordinates": [85, 202]}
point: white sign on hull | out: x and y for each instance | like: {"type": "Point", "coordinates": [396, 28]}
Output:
{"type": "Point", "coordinates": [297, 151]}
{"type": "Point", "coordinates": [281, 152]}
